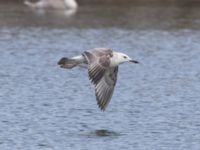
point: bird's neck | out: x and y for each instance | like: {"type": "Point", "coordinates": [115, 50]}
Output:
{"type": "Point", "coordinates": [115, 60]}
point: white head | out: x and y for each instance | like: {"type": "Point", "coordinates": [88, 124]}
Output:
{"type": "Point", "coordinates": [122, 58]}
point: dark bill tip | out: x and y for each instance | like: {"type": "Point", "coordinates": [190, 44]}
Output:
{"type": "Point", "coordinates": [134, 61]}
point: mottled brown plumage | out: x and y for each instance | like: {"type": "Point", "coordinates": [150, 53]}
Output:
{"type": "Point", "coordinates": [102, 64]}
{"type": "Point", "coordinates": [102, 75]}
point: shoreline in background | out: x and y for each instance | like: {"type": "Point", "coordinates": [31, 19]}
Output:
{"type": "Point", "coordinates": [154, 16]}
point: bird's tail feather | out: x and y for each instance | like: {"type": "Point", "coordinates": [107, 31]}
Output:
{"type": "Point", "coordinates": [69, 63]}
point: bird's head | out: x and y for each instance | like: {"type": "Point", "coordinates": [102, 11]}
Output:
{"type": "Point", "coordinates": [125, 58]}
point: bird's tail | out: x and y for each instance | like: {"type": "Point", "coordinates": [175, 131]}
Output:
{"type": "Point", "coordinates": [70, 63]}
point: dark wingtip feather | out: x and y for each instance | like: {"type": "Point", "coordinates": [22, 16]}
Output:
{"type": "Point", "coordinates": [101, 106]}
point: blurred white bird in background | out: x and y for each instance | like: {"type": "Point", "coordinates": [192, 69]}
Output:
{"type": "Point", "coordinates": [55, 4]}
{"type": "Point", "coordinates": [41, 7]}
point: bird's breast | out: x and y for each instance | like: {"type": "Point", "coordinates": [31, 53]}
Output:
{"type": "Point", "coordinates": [114, 60]}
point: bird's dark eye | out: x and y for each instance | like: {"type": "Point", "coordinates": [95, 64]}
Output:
{"type": "Point", "coordinates": [125, 57]}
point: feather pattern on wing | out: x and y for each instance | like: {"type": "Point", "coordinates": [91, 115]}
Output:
{"type": "Point", "coordinates": [98, 62]}
{"type": "Point", "coordinates": [104, 89]}
{"type": "Point", "coordinates": [101, 75]}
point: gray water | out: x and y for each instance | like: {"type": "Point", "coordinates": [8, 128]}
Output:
{"type": "Point", "coordinates": [155, 106]}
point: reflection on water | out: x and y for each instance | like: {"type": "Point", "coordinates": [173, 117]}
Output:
{"type": "Point", "coordinates": [98, 133]}
{"type": "Point", "coordinates": [155, 104]}
{"type": "Point", "coordinates": [103, 132]}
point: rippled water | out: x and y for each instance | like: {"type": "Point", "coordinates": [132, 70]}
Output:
{"type": "Point", "coordinates": [155, 104]}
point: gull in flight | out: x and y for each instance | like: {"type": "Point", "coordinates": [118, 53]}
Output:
{"type": "Point", "coordinates": [102, 64]}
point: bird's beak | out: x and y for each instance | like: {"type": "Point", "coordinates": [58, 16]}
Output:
{"type": "Point", "coordinates": [133, 61]}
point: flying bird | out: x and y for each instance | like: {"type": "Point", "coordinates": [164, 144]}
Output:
{"type": "Point", "coordinates": [102, 64]}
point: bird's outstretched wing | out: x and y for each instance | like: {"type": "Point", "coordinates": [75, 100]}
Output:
{"type": "Point", "coordinates": [101, 74]}
{"type": "Point", "coordinates": [105, 87]}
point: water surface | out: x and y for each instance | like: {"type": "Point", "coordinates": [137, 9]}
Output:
{"type": "Point", "coordinates": [155, 104]}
